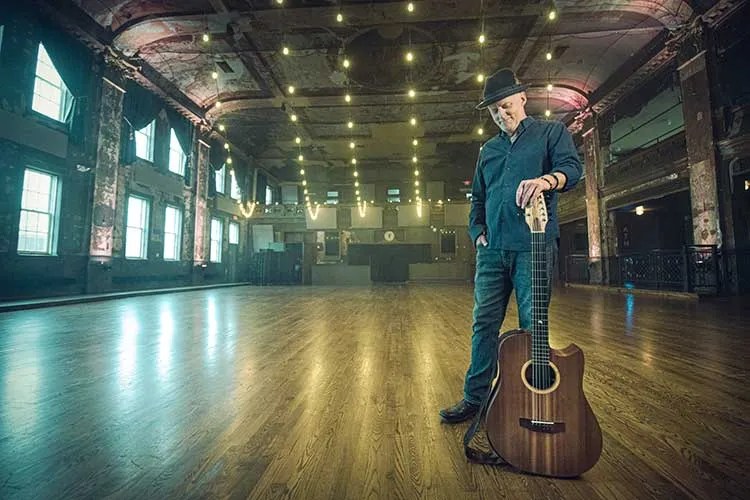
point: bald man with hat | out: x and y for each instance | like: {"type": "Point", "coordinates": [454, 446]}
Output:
{"type": "Point", "coordinates": [525, 158]}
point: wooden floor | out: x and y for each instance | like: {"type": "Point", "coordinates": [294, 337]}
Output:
{"type": "Point", "coordinates": [333, 393]}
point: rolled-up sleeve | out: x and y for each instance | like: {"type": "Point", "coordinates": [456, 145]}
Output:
{"type": "Point", "coordinates": [563, 155]}
{"type": "Point", "coordinates": [477, 222]}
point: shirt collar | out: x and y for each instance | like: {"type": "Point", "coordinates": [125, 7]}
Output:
{"type": "Point", "coordinates": [521, 126]}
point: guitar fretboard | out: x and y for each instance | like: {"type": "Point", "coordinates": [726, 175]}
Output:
{"type": "Point", "coordinates": [539, 293]}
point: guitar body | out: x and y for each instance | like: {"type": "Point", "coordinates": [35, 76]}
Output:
{"type": "Point", "coordinates": [550, 431]}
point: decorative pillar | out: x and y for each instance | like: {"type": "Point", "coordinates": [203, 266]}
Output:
{"type": "Point", "coordinates": [593, 170]}
{"type": "Point", "coordinates": [99, 277]}
{"type": "Point", "coordinates": [701, 152]}
{"type": "Point", "coordinates": [200, 212]}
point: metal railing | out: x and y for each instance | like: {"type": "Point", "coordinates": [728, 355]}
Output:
{"type": "Point", "coordinates": [693, 268]}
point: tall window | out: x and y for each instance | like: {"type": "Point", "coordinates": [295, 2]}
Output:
{"type": "Point", "coordinates": [1, 37]}
{"type": "Point", "coordinates": [394, 195]}
{"type": "Point", "coordinates": [144, 142]}
{"type": "Point", "coordinates": [269, 195]}
{"type": "Point", "coordinates": [332, 197]}
{"type": "Point", "coordinates": [51, 96]}
{"type": "Point", "coordinates": [215, 250]}
{"type": "Point", "coordinates": [235, 192]}
{"type": "Point", "coordinates": [176, 155]}
{"type": "Point", "coordinates": [221, 178]}
{"type": "Point", "coordinates": [136, 234]}
{"type": "Point", "coordinates": [37, 231]}
{"type": "Point", "coordinates": [172, 233]}
{"type": "Point", "coordinates": [234, 233]}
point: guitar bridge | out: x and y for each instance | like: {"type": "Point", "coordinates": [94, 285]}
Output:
{"type": "Point", "coordinates": [541, 425]}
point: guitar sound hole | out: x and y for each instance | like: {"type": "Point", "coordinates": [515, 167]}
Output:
{"type": "Point", "coordinates": [540, 377]}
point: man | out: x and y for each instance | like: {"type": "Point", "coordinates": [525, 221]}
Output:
{"type": "Point", "coordinates": [526, 158]}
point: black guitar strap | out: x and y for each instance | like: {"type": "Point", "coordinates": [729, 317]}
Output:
{"type": "Point", "coordinates": [476, 455]}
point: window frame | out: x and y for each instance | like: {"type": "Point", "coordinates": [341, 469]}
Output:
{"type": "Point", "coordinates": [146, 219]}
{"type": "Point", "coordinates": [211, 240]}
{"type": "Point", "coordinates": [66, 98]}
{"type": "Point", "coordinates": [177, 235]}
{"type": "Point", "coordinates": [221, 174]}
{"type": "Point", "coordinates": [176, 149]}
{"type": "Point", "coordinates": [234, 187]}
{"type": "Point", "coordinates": [393, 197]}
{"type": "Point", "coordinates": [149, 143]}
{"type": "Point", "coordinates": [236, 227]}
{"type": "Point", "coordinates": [53, 204]}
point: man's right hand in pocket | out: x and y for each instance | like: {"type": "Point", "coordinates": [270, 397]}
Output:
{"type": "Point", "coordinates": [481, 240]}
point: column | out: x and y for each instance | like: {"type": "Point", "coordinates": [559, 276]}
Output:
{"type": "Point", "coordinates": [200, 212]}
{"type": "Point", "coordinates": [99, 277]}
{"type": "Point", "coordinates": [593, 170]}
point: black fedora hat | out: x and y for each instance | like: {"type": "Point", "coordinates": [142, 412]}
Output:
{"type": "Point", "coordinates": [500, 85]}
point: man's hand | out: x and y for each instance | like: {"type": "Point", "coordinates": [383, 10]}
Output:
{"type": "Point", "coordinates": [530, 189]}
{"type": "Point", "coordinates": [481, 240]}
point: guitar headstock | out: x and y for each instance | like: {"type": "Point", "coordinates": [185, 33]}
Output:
{"type": "Point", "coordinates": [536, 214]}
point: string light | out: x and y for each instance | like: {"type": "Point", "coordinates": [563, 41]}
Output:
{"type": "Point", "coordinates": [214, 75]}
{"type": "Point", "coordinates": [293, 117]}
{"type": "Point", "coordinates": [547, 113]}
{"type": "Point", "coordinates": [414, 142]}
{"type": "Point", "coordinates": [480, 77]}
{"type": "Point", "coordinates": [552, 15]}
{"type": "Point", "coordinates": [412, 93]}
{"type": "Point", "coordinates": [218, 104]}
{"type": "Point", "coordinates": [340, 17]}
{"type": "Point", "coordinates": [285, 50]}
{"type": "Point", "coordinates": [226, 145]}
{"type": "Point", "coordinates": [206, 37]}
{"type": "Point", "coordinates": [222, 128]}
{"type": "Point", "coordinates": [301, 158]}
{"type": "Point", "coordinates": [348, 98]}
{"type": "Point", "coordinates": [229, 160]}
{"type": "Point", "coordinates": [291, 89]}
{"type": "Point", "coordinates": [480, 131]}
{"type": "Point", "coordinates": [279, 2]}
{"type": "Point", "coordinates": [347, 63]}
{"type": "Point", "coordinates": [413, 121]}
{"type": "Point", "coordinates": [350, 124]}
{"type": "Point", "coordinates": [410, 7]}
{"type": "Point", "coordinates": [549, 56]}
{"type": "Point", "coordinates": [354, 161]}
{"type": "Point", "coordinates": [416, 173]}
{"type": "Point", "coordinates": [352, 145]}
{"type": "Point", "coordinates": [247, 212]}
{"type": "Point", "coordinates": [549, 87]}
{"type": "Point", "coordinates": [298, 140]}
{"type": "Point", "coordinates": [409, 56]}
{"type": "Point", "coordinates": [482, 38]}
{"type": "Point", "coordinates": [302, 172]}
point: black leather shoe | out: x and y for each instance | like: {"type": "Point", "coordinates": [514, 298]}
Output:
{"type": "Point", "coordinates": [463, 410]}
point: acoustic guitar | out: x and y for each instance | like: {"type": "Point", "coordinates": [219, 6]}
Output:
{"type": "Point", "coordinates": [538, 419]}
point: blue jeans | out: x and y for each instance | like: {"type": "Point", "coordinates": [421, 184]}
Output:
{"type": "Point", "coordinates": [498, 273]}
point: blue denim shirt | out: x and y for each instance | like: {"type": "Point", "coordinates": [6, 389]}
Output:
{"type": "Point", "coordinates": [541, 147]}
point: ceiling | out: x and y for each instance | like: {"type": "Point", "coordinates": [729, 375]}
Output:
{"type": "Point", "coordinates": [599, 48]}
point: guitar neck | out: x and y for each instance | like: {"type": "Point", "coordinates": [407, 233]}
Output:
{"type": "Point", "coordinates": [539, 292]}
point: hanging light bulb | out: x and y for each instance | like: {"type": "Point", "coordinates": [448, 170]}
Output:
{"type": "Point", "coordinates": [291, 89]}
{"type": "Point", "coordinates": [293, 117]}
{"type": "Point", "coordinates": [348, 98]}
{"type": "Point", "coordinates": [416, 173]}
{"type": "Point", "coordinates": [547, 113]}
{"type": "Point", "coordinates": [410, 7]}
{"type": "Point", "coordinates": [226, 145]}
{"type": "Point", "coordinates": [301, 158]}
{"type": "Point", "coordinates": [340, 17]}
{"type": "Point", "coordinates": [350, 124]}
{"type": "Point", "coordinates": [549, 87]}
{"type": "Point", "coordinates": [305, 190]}
{"type": "Point", "coordinates": [356, 174]}
{"type": "Point", "coordinates": [416, 183]}
{"type": "Point", "coordinates": [285, 50]}
{"type": "Point", "coordinates": [222, 128]}
{"type": "Point", "coordinates": [552, 15]}
{"type": "Point", "coordinates": [480, 131]}
{"type": "Point", "coordinates": [346, 63]}
{"type": "Point", "coordinates": [354, 161]}
{"type": "Point", "coordinates": [302, 171]}
{"type": "Point", "coordinates": [412, 93]}
{"type": "Point", "coordinates": [356, 183]}
{"type": "Point", "coordinates": [410, 56]}
{"type": "Point", "coordinates": [229, 160]}
{"type": "Point", "coordinates": [304, 182]}
{"type": "Point", "coordinates": [480, 77]}
{"type": "Point", "coordinates": [413, 121]}
{"type": "Point", "coordinates": [279, 2]}
{"type": "Point", "coordinates": [352, 145]}
{"type": "Point", "coordinates": [298, 140]}
{"type": "Point", "coordinates": [416, 191]}
{"type": "Point", "coordinates": [206, 37]}
{"type": "Point", "coordinates": [415, 142]}
{"type": "Point", "coordinates": [414, 159]}
{"type": "Point", "coordinates": [214, 75]}
{"type": "Point", "coordinates": [549, 56]}
{"type": "Point", "coordinates": [356, 192]}
{"type": "Point", "coordinates": [218, 104]}
{"type": "Point", "coordinates": [482, 38]}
